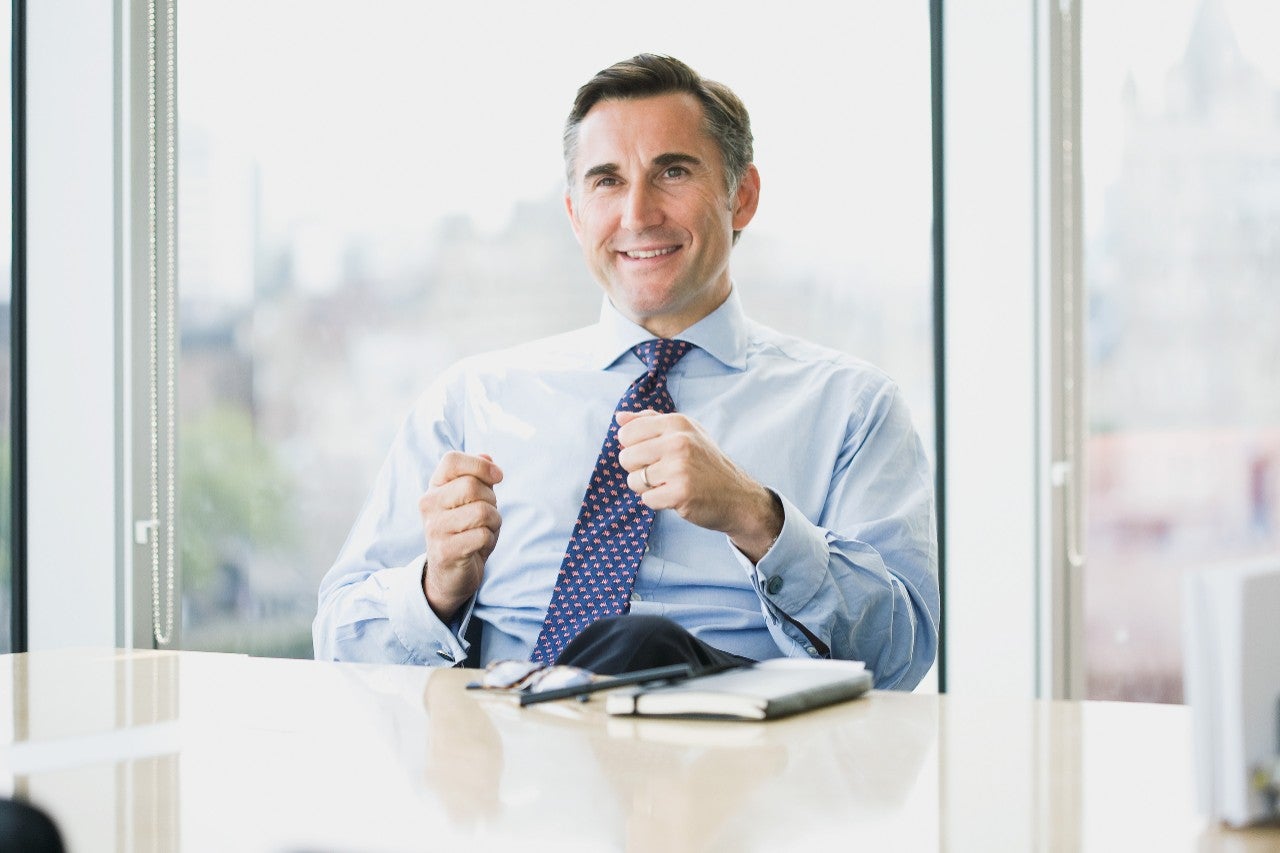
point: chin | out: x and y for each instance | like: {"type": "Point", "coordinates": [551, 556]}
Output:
{"type": "Point", "coordinates": [641, 310]}
{"type": "Point", "coordinates": [643, 301]}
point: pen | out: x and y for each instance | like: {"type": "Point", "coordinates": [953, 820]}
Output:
{"type": "Point", "coordinates": [676, 672]}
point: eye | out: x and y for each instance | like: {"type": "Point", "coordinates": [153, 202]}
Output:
{"type": "Point", "coordinates": [605, 182]}
{"type": "Point", "coordinates": [675, 172]}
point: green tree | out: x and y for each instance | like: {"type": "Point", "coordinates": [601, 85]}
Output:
{"type": "Point", "coordinates": [233, 495]}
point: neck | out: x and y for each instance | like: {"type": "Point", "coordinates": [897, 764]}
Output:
{"type": "Point", "coordinates": [670, 325]}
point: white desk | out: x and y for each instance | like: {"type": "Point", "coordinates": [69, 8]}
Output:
{"type": "Point", "coordinates": [162, 751]}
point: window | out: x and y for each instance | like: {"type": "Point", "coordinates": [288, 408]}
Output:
{"type": "Point", "coordinates": [370, 191]}
{"type": "Point", "coordinates": [1182, 255]}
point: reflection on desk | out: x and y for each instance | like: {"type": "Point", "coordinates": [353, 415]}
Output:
{"type": "Point", "coordinates": [189, 751]}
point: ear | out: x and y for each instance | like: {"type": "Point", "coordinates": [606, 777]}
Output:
{"type": "Point", "coordinates": [573, 216]}
{"type": "Point", "coordinates": [746, 199]}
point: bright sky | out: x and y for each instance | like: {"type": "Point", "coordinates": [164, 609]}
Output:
{"type": "Point", "coordinates": [380, 115]}
{"type": "Point", "coordinates": [1147, 38]}
{"type": "Point", "coordinates": [354, 108]}
{"type": "Point", "coordinates": [386, 111]}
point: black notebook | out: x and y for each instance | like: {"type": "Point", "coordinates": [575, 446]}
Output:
{"type": "Point", "coordinates": [763, 691]}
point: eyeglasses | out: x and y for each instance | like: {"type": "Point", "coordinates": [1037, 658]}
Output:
{"type": "Point", "coordinates": [529, 677]}
{"type": "Point", "coordinates": [536, 683]}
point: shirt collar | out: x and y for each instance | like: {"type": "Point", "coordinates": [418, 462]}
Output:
{"type": "Point", "coordinates": [721, 334]}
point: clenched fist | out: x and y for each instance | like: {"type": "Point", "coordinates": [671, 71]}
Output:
{"type": "Point", "coordinates": [674, 464]}
{"type": "Point", "coordinates": [460, 522]}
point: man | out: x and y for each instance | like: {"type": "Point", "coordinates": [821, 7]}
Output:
{"type": "Point", "coordinates": [756, 496]}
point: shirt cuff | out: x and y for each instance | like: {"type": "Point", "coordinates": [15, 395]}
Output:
{"type": "Point", "coordinates": [417, 627]}
{"type": "Point", "coordinates": [792, 571]}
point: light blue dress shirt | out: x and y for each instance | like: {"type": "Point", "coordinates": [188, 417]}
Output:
{"type": "Point", "coordinates": [852, 575]}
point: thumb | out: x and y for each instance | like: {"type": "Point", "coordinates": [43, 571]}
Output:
{"type": "Point", "coordinates": [496, 472]}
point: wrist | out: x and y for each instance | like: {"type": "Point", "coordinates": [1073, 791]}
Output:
{"type": "Point", "coordinates": [762, 525]}
{"type": "Point", "coordinates": [443, 605]}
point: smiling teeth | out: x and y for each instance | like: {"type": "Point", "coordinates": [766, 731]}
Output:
{"type": "Point", "coordinates": [652, 254]}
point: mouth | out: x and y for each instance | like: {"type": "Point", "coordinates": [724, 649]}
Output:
{"type": "Point", "coordinates": [646, 254]}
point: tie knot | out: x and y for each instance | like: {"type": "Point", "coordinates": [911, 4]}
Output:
{"type": "Point", "coordinates": [660, 354]}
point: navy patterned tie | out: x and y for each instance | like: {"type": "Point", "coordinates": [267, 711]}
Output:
{"type": "Point", "coordinates": [599, 567]}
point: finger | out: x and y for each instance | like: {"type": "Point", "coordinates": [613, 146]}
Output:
{"type": "Point", "coordinates": [458, 534]}
{"type": "Point", "coordinates": [478, 540]}
{"type": "Point", "coordinates": [454, 494]}
{"type": "Point", "coordinates": [455, 464]}
{"type": "Point", "coordinates": [471, 516]}
{"type": "Point", "coordinates": [661, 496]}
{"type": "Point", "coordinates": [637, 456]}
{"type": "Point", "coordinates": [646, 426]}
{"type": "Point", "coordinates": [644, 479]}
{"type": "Point", "coordinates": [465, 490]}
{"type": "Point", "coordinates": [623, 418]}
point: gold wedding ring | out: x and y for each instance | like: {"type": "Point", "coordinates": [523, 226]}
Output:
{"type": "Point", "coordinates": [644, 475]}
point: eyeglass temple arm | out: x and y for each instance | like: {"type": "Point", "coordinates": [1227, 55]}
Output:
{"type": "Point", "coordinates": [675, 672]}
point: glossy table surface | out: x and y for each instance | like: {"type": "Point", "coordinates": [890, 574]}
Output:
{"type": "Point", "coordinates": [188, 751]}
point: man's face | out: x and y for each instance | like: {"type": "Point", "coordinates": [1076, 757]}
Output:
{"type": "Point", "coordinates": [650, 208]}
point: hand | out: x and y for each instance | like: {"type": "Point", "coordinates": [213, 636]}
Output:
{"type": "Point", "coordinates": [687, 472]}
{"type": "Point", "coordinates": [460, 522]}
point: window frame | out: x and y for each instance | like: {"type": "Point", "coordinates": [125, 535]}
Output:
{"type": "Point", "coordinates": [1012, 335]}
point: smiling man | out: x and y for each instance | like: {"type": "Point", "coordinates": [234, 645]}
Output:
{"type": "Point", "coordinates": [653, 210]}
{"type": "Point", "coordinates": [754, 496]}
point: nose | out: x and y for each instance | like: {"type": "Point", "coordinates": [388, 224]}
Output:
{"type": "Point", "coordinates": [641, 208]}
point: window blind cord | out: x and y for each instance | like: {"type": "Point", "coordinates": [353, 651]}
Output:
{"type": "Point", "coordinates": [162, 619]}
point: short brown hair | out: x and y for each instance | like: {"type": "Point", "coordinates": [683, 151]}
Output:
{"type": "Point", "coordinates": [724, 115]}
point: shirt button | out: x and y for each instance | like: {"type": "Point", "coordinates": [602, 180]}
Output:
{"type": "Point", "coordinates": [446, 655]}
{"type": "Point", "coordinates": [635, 596]}
{"type": "Point", "coordinates": [812, 651]}
{"type": "Point", "coordinates": [774, 585]}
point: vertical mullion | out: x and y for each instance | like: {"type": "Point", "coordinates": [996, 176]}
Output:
{"type": "Point", "coordinates": [18, 337]}
{"type": "Point", "coordinates": [1062, 466]}
{"type": "Point", "coordinates": [939, 317]}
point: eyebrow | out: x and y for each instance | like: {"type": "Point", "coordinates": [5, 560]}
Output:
{"type": "Point", "coordinates": [602, 169]}
{"type": "Point", "coordinates": [671, 158]}
{"type": "Point", "coordinates": [676, 158]}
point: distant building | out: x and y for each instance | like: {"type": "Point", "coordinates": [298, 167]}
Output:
{"type": "Point", "coordinates": [1184, 359]}
{"type": "Point", "coordinates": [1183, 276]}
